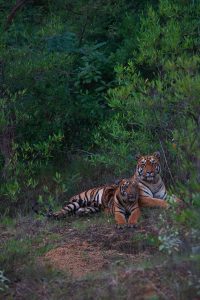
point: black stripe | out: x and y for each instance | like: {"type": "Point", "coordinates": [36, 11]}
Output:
{"type": "Point", "coordinates": [147, 188]}
{"type": "Point", "coordinates": [119, 200]}
{"type": "Point", "coordinates": [74, 205]}
{"type": "Point", "coordinates": [97, 200]}
{"type": "Point", "coordinates": [120, 211]}
{"type": "Point", "coordinates": [147, 193]}
{"type": "Point", "coordinates": [165, 194]}
{"type": "Point", "coordinates": [92, 192]}
{"type": "Point", "coordinates": [86, 196]}
{"type": "Point", "coordinates": [134, 208]}
{"type": "Point", "coordinates": [93, 209]}
{"type": "Point", "coordinates": [69, 207]}
{"type": "Point", "coordinates": [158, 188]}
{"type": "Point", "coordinates": [81, 201]}
{"type": "Point", "coordinates": [144, 185]}
{"type": "Point", "coordinates": [146, 196]}
{"type": "Point", "coordinates": [97, 192]}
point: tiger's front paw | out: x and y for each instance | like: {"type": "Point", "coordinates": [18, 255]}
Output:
{"type": "Point", "coordinates": [132, 226]}
{"type": "Point", "coordinates": [120, 226]}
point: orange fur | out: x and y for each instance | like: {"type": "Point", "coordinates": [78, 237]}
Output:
{"type": "Point", "coordinates": [124, 204]}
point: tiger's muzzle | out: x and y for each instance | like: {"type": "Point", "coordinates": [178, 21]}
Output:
{"type": "Point", "coordinates": [132, 197]}
{"type": "Point", "coordinates": [149, 177]}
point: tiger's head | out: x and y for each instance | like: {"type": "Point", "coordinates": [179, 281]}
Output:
{"type": "Point", "coordinates": [148, 166]}
{"type": "Point", "coordinates": [128, 190]}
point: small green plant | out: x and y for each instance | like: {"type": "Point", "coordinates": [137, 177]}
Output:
{"type": "Point", "coordinates": [169, 236]}
{"type": "Point", "coordinates": [169, 242]}
{"type": "Point", "coordinates": [194, 282]}
{"type": "Point", "coordinates": [7, 221]}
{"type": "Point", "coordinates": [50, 198]}
{"type": "Point", "coordinates": [3, 281]}
{"type": "Point", "coordinates": [82, 224]}
{"type": "Point", "coordinates": [14, 251]}
{"type": "Point", "coordinates": [153, 240]}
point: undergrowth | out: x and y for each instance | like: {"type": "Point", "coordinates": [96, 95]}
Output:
{"type": "Point", "coordinates": [140, 261]}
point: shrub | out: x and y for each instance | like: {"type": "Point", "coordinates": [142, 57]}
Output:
{"type": "Point", "coordinates": [156, 102]}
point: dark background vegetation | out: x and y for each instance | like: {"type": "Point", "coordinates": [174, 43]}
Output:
{"type": "Point", "coordinates": [86, 85]}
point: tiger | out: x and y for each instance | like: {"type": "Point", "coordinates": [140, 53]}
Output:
{"type": "Point", "coordinates": [124, 205]}
{"type": "Point", "coordinates": [120, 200]}
{"type": "Point", "coordinates": [86, 202]}
{"type": "Point", "coordinates": [152, 190]}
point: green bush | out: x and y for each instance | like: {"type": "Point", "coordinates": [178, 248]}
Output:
{"type": "Point", "coordinates": [106, 80]}
{"type": "Point", "coordinates": [54, 74]}
{"type": "Point", "coordinates": [156, 103]}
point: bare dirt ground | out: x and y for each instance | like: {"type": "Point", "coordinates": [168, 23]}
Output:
{"type": "Point", "coordinates": [88, 258]}
{"type": "Point", "coordinates": [78, 258]}
{"type": "Point", "coordinates": [107, 250]}
{"type": "Point", "coordinates": [94, 248]}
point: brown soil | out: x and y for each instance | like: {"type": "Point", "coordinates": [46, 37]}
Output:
{"type": "Point", "coordinates": [95, 249]}
{"type": "Point", "coordinates": [96, 259]}
{"type": "Point", "coordinates": [79, 258]}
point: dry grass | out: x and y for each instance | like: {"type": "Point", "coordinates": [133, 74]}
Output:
{"type": "Point", "coordinates": [89, 258]}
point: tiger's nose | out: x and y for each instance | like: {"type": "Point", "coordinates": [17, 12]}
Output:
{"type": "Point", "coordinates": [150, 173]}
{"type": "Point", "coordinates": [132, 196]}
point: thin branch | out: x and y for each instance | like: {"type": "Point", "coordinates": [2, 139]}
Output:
{"type": "Point", "coordinates": [83, 32]}
{"type": "Point", "coordinates": [165, 158]}
{"type": "Point", "coordinates": [86, 152]}
{"type": "Point", "coordinates": [11, 16]}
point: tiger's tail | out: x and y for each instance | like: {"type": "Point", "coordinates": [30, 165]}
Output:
{"type": "Point", "coordinates": [88, 210]}
{"type": "Point", "coordinates": [67, 210]}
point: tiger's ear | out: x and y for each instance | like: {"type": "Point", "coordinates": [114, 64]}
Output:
{"type": "Point", "coordinates": [117, 181]}
{"type": "Point", "coordinates": [157, 154]}
{"type": "Point", "coordinates": [138, 156]}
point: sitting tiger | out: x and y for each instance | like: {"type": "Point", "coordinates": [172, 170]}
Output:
{"type": "Point", "coordinates": [120, 200]}
{"type": "Point", "coordinates": [124, 205]}
{"type": "Point", "coordinates": [152, 191]}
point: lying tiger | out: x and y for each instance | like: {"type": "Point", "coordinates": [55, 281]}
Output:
{"type": "Point", "coordinates": [124, 199]}
{"type": "Point", "coordinates": [120, 200]}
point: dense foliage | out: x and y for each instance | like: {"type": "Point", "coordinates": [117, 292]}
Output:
{"type": "Point", "coordinates": [156, 102]}
{"type": "Point", "coordinates": [98, 80]}
{"type": "Point", "coordinates": [84, 86]}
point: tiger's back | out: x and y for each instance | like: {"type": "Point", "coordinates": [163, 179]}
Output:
{"type": "Point", "coordinates": [108, 198]}
{"type": "Point", "coordinates": [119, 200]}
{"type": "Point", "coordinates": [90, 201]}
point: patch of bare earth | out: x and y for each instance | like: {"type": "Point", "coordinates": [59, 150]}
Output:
{"type": "Point", "coordinates": [94, 250]}
{"type": "Point", "coordinates": [79, 258]}
{"type": "Point", "coordinates": [122, 254]}
{"type": "Point", "coordinates": [120, 263]}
